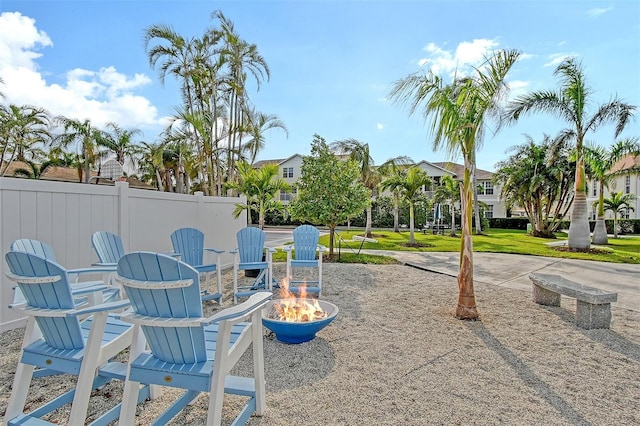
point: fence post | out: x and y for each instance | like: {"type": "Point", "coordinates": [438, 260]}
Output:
{"type": "Point", "coordinates": [124, 219]}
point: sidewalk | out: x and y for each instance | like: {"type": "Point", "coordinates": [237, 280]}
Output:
{"type": "Point", "coordinates": [512, 270]}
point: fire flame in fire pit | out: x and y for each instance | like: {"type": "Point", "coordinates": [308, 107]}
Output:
{"type": "Point", "coordinates": [291, 308]}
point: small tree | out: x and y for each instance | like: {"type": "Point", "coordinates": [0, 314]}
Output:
{"type": "Point", "coordinates": [618, 203]}
{"type": "Point", "coordinates": [410, 186]}
{"type": "Point", "coordinates": [329, 190]}
{"type": "Point", "coordinates": [261, 187]}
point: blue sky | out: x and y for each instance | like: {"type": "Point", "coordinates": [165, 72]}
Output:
{"type": "Point", "coordinates": [332, 62]}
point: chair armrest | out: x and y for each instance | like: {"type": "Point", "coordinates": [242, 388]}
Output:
{"type": "Point", "coordinates": [106, 265]}
{"type": "Point", "coordinates": [146, 320]}
{"type": "Point", "coordinates": [321, 248]}
{"type": "Point", "coordinates": [271, 249]}
{"type": "Point", "coordinates": [96, 270]}
{"type": "Point", "coordinates": [111, 306]}
{"type": "Point", "coordinates": [241, 311]}
{"type": "Point", "coordinates": [234, 251]}
{"type": "Point", "coordinates": [214, 250]}
{"type": "Point", "coordinates": [287, 248]}
{"type": "Point", "coordinates": [88, 287]}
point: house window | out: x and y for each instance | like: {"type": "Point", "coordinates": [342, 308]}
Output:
{"type": "Point", "coordinates": [626, 215]}
{"type": "Point", "coordinates": [287, 172]}
{"type": "Point", "coordinates": [488, 213]}
{"type": "Point", "coordinates": [486, 188]}
{"type": "Point", "coordinates": [595, 189]}
{"type": "Point", "coordinates": [627, 184]}
{"type": "Point", "coordinates": [287, 196]}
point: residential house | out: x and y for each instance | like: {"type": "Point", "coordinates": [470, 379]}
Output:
{"type": "Point", "coordinates": [291, 168]}
{"type": "Point", "coordinates": [627, 180]}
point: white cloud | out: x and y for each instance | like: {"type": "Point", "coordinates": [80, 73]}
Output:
{"type": "Point", "coordinates": [556, 58]}
{"type": "Point", "coordinates": [517, 87]}
{"type": "Point", "coordinates": [458, 61]}
{"type": "Point", "coordinates": [101, 96]}
{"type": "Point", "coordinates": [380, 126]}
{"type": "Point", "coordinates": [598, 11]}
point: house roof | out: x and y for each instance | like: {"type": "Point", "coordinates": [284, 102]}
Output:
{"type": "Point", "coordinates": [627, 163]}
{"type": "Point", "coordinates": [69, 174]}
{"type": "Point", "coordinates": [458, 170]}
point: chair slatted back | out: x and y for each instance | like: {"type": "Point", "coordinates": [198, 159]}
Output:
{"type": "Point", "coordinates": [108, 246]}
{"type": "Point", "coordinates": [250, 244]}
{"type": "Point", "coordinates": [27, 245]}
{"type": "Point", "coordinates": [189, 242]}
{"type": "Point", "coordinates": [305, 242]}
{"type": "Point", "coordinates": [58, 332]}
{"type": "Point", "coordinates": [169, 344]}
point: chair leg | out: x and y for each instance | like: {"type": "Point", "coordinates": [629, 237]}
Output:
{"type": "Point", "coordinates": [19, 392]}
{"type": "Point", "coordinates": [235, 284]}
{"type": "Point", "coordinates": [90, 363]}
{"type": "Point", "coordinates": [220, 368]}
{"type": "Point", "coordinates": [258, 363]}
{"type": "Point", "coordinates": [23, 375]}
{"type": "Point", "coordinates": [129, 403]}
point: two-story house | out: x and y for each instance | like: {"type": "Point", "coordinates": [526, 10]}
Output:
{"type": "Point", "coordinates": [291, 168]}
{"type": "Point", "coordinates": [627, 180]}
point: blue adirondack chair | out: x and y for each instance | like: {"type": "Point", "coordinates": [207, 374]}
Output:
{"type": "Point", "coordinates": [188, 243]}
{"type": "Point", "coordinates": [58, 341]}
{"type": "Point", "coordinates": [93, 291]}
{"type": "Point", "coordinates": [302, 254]}
{"type": "Point", "coordinates": [108, 248]}
{"type": "Point", "coordinates": [188, 351]}
{"type": "Point", "coordinates": [252, 255]}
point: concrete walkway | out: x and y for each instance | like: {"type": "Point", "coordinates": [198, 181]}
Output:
{"type": "Point", "coordinates": [512, 270]}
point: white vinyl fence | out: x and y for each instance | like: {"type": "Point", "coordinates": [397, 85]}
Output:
{"type": "Point", "coordinates": [64, 215]}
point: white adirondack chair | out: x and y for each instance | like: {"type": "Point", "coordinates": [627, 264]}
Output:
{"type": "Point", "coordinates": [186, 350]}
{"type": "Point", "coordinates": [58, 341]}
{"type": "Point", "coordinates": [302, 254]}
{"type": "Point", "coordinates": [252, 255]}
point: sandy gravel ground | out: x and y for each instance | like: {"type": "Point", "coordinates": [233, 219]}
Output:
{"type": "Point", "coordinates": [395, 355]}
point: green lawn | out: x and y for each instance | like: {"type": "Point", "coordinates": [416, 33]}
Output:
{"type": "Point", "coordinates": [621, 250]}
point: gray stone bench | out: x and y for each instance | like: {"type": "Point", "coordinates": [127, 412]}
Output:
{"type": "Point", "coordinates": [593, 304]}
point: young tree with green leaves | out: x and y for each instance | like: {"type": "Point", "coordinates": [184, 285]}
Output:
{"type": "Point", "coordinates": [329, 190]}
{"type": "Point", "coordinates": [459, 111]}
{"type": "Point", "coordinates": [570, 102]}
{"type": "Point", "coordinates": [618, 203]}
{"type": "Point", "coordinates": [261, 187]}
{"type": "Point", "coordinates": [448, 192]}
{"type": "Point", "coordinates": [410, 186]}
{"type": "Point", "coordinates": [600, 161]}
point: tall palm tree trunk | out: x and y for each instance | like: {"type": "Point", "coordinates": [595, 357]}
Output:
{"type": "Point", "coordinates": [579, 232]}
{"type": "Point", "coordinates": [600, 231]}
{"type": "Point", "coordinates": [466, 299]}
{"type": "Point", "coordinates": [367, 231]}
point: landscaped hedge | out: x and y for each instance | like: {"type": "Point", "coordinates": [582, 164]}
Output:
{"type": "Point", "coordinates": [625, 226]}
{"type": "Point", "coordinates": [509, 223]}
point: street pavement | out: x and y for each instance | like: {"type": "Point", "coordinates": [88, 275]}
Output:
{"type": "Point", "coordinates": [512, 270]}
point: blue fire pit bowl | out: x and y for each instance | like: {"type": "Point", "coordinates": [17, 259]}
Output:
{"type": "Point", "coordinates": [298, 332]}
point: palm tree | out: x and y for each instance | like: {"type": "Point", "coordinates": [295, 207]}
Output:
{"type": "Point", "coordinates": [458, 112]}
{"type": "Point", "coordinates": [570, 103]}
{"type": "Point", "coordinates": [359, 153]}
{"type": "Point", "coordinates": [152, 163]}
{"type": "Point", "coordinates": [258, 124]}
{"type": "Point", "coordinates": [87, 135]}
{"type": "Point", "coordinates": [410, 186]}
{"type": "Point", "coordinates": [35, 170]}
{"type": "Point", "coordinates": [23, 130]}
{"type": "Point", "coordinates": [449, 191]}
{"type": "Point", "coordinates": [600, 161]}
{"type": "Point", "coordinates": [239, 59]}
{"type": "Point", "coordinates": [120, 142]}
{"type": "Point", "coordinates": [261, 187]}
{"type": "Point", "coordinates": [618, 203]}
{"type": "Point", "coordinates": [538, 177]}
{"type": "Point", "coordinates": [395, 168]}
